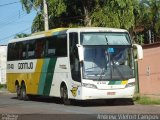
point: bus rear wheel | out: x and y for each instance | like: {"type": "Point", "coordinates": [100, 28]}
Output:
{"type": "Point", "coordinates": [23, 95]}
{"type": "Point", "coordinates": [64, 95]}
{"type": "Point", "coordinates": [18, 91]}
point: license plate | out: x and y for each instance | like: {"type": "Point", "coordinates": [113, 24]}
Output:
{"type": "Point", "coordinates": [111, 93]}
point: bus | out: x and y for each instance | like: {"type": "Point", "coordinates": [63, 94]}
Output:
{"type": "Point", "coordinates": [73, 64]}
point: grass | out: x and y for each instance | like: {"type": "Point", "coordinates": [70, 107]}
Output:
{"type": "Point", "coordinates": [2, 86]}
{"type": "Point", "coordinates": [144, 100]}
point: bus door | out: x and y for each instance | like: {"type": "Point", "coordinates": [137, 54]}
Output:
{"type": "Point", "coordinates": [74, 63]}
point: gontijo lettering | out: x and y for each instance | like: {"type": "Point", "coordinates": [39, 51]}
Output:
{"type": "Point", "coordinates": [25, 65]}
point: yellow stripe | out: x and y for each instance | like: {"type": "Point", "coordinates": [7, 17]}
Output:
{"type": "Point", "coordinates": [31, 79]}
{"type": "Point", "coordinates": [124, 82]}
{"type": "Point", "coordinates": [36, 76]}
{"type": "Point", "coordinates": [50, 32]}
{"type": "Point", "coordinates": [10, 83]}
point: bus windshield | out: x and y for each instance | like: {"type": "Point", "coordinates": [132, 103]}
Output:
{"type": "Point", "coordinates": [108, 62]}
{"type": "Point", "coordinates": [105, 38]}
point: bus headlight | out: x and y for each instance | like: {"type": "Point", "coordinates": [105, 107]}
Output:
{"type": "Point", "coordinates": [89, 85]}
{"type": "Point", "coordinates": [130, 84]}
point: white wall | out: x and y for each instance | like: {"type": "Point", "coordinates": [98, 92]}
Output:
{"type": "Point", "coordinates": [3, 56]}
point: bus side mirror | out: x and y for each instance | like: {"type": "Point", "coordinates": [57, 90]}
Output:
{"type": "Point", "coordinates": [80, 52]}
{"type": "Point", "coordinates": [138, 51]}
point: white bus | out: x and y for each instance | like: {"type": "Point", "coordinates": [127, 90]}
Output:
{"type": "Point", "coordinates": [73, 64]}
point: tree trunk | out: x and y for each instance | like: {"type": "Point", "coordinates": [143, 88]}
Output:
{"type": "Point", "coordinates": [87, 19]}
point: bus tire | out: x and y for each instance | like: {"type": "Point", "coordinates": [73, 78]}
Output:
{"type": "Point", "coordinates": [110, 102]}
{"type": "Point", "coordinates": [18, 91]}
{"type": "Point", "coordinates": [23, 95]}
{"type": "Point", "coordinates": [64, 95]}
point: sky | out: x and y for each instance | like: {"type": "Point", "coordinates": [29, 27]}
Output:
{"type": "Point", "coordinates": [13, 20]}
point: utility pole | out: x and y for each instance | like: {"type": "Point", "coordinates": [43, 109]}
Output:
{"type": "Point", "coordinates": [46, 25]}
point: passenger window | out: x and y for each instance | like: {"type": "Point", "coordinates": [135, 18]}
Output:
{"type": "Point", "coordinates": [40, 48]}
{"type": "Point", "coordinates": [50, 47]}
{"type": "Point", "coordinates": [30, 49]}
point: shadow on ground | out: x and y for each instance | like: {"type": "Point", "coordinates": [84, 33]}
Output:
{"type": "Point", "coordinates": [87, 103]}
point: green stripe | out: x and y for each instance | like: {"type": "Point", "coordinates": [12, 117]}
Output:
{"type": "Point", "coordinates": [43, 76]}
{"type": "Point", "coordinates": [111, 82]}
{"type": "Point", "coordinates": [115, 82]}
{"type": "Point", "coordinates": [118, 82]}
{"type": "Point", "coordinates": [49, 76]}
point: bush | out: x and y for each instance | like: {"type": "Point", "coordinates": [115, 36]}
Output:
{"type": "Point", "coordinates": [3, 86]}
{"type": "Point", "coordinates": [144, 100]}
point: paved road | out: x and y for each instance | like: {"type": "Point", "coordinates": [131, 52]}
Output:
{"type": "Point", "coordinates": [9, 104]}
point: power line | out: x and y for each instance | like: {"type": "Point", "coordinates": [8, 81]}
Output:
{"type": "Point", "coordinates": [10, 22]}
{"type": "Point", "coordinates": [12, 16]}
{"type": "Point", "coordinates": [3, 39]}
{"type": "Point", "coordinates": [2, 5]}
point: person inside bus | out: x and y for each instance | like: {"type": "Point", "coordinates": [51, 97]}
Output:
{"type": "Point", "coordinates": [120, 57]}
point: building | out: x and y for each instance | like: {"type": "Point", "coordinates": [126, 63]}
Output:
{"type": "Point", "coordinates": [3, 56]}
{"type": "Point", "coordinates": [149, 70]}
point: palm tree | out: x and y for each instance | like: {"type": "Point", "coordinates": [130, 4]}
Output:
{"type": "Point", "coordinates": [21, 35]}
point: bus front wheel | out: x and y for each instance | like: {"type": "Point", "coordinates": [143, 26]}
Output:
{"type": "Point", "coordinates": [64, 95]}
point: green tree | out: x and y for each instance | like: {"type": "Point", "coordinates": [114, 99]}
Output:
{"type": "Point", "coordinates": [155, 17]}
{"type": "Point", "coordinates": [28, 5]}
{"type": "Point", "coordinates": [38, 23]}
{"type": "Point", "coordinates": [21, 35]}
{"type": "Point", "coordinates": [62, 12]}
{"type": "Point", "coordinates": [66, 13]}
{"type": "Point", "coordinates": [148, 16]}
{"type": "Point", "coordinates": [114, 13]}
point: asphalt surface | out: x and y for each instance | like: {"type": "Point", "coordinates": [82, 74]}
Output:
{"type": "Point", "coordinates": [49, 108]}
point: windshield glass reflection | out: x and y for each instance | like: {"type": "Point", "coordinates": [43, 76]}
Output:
{"type": "Point", "coordinates": [106, 63]}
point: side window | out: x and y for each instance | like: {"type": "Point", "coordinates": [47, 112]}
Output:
{"type": "Point", "coordinates": [22, 51]}
{"type": "Point", "coordinates": [56, 46]}
{"type": "Point", "coordinates": [16, 51]}
{"type": "Point", "coordinates": [30, 49]}
{"type": "Point", "coordinates": [10, 54]}
{"type": "Point", "coordinates": [61, 45]}
{"type": "Point", "coordinates": [40, 48]}
{"type": "Point", "coordinates": [74, 61]}
{"type": "Point", "coordinates": [13, 51]}
{"type": "Point", "coordinates": [50, 47]}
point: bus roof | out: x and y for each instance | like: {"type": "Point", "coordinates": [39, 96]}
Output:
{"type": "Point", "coordinates": [96, 29]}
{"type": "Point", "coordinates": [66, 30]}
{"type": "Point", "coordinates": [39, 35]}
